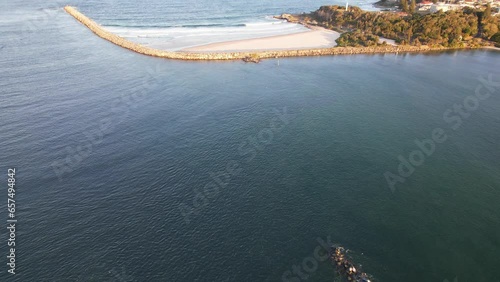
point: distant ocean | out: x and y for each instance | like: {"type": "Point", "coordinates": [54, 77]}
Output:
{"type": "Point", "coordinates": [134, 168]}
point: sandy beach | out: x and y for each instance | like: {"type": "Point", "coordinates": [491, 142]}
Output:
{"type": "Point", "coordinates": [316, 37]}
{"type": "Point", "coordinates": [492, 48]}
{"type": "Point", "coordinates": [387, 41]}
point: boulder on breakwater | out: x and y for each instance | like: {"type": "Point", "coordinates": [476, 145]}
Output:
{"type": "Point", "coordinates": [254, 58]}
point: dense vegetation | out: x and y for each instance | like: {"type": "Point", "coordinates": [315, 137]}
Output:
{"type": "Point", "coordinates": [496, 39]}
{"type": "Point", "coordinates": [357, 39]}
{"type": "Point", "coordinates": [449, 29]}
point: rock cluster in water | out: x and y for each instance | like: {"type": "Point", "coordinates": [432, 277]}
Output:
{"type": "Point", "coordinates": [338, 257]}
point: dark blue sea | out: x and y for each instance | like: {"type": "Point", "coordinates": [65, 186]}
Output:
{"type": "Point", "coordinates": [133, 168]}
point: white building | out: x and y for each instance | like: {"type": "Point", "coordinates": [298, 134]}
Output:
{"type": "Point", "coordinates": [424, 6]}
{"type": "Point", "coordinates": [443, 7]}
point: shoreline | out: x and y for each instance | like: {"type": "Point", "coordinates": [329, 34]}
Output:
{"type": "Point", "coordinates": [248, 56]}
{"type": "Point", "coordinates": [492, 48]}
{"type": "Point", "coordinates": [313, 38]}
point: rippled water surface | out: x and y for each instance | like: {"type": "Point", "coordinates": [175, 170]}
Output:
{"type": "Point", "coordinates": [132, 168]}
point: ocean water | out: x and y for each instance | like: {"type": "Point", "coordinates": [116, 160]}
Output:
{"type": "Point", "coordinates": [175, 25]}
{"type": "Point", "coordinates": [133, 168]}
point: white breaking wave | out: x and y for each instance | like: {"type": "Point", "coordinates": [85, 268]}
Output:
{"type": "Point", "coordinates": [176, 38]}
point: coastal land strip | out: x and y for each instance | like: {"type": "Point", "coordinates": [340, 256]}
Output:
{"type": "Point", "coordinates": [315, 37]}
{"type": "Point", "coordinates": [202, 53]}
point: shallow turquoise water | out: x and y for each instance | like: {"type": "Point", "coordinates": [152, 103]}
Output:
{"type": "Point", "coordinates": [144, 136]}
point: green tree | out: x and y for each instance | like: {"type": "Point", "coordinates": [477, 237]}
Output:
{"type": "Point", "coordinates": [487, 12]}
{"type": "Point", "coordinates": [409, 34]}
{"type": "Point", "coordinates": [404, 5]}
{"type": "Point", "coordinates": [412, 6]}
{"type": "Point", "coordinates": [496, 39]}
